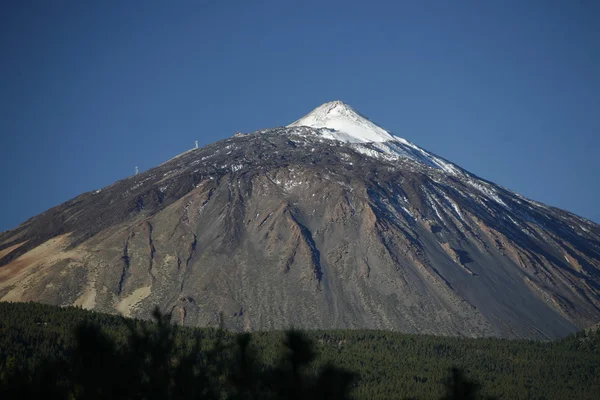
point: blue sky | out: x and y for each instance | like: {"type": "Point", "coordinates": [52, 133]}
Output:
{"type": "Point", "coordinates": [509, 90]}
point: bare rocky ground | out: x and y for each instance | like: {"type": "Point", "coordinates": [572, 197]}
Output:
{"type": "Point", "coordinates": [283, 228]}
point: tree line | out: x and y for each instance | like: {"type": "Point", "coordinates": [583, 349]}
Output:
{"type": "Point", "coordinates": [71, 353]}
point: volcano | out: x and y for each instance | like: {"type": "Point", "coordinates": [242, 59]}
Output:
{"type": "Point", "coordinates": [329, 222]}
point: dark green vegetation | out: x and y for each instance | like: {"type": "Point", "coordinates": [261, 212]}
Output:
{"type": "Point", "coordinates": [59, 352]}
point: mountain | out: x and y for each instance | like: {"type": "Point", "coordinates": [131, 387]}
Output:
{"type": "Point", "coordinates": [330, 222]}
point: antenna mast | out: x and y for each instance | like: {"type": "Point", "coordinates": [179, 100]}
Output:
{"type": "Point", "coordinates": [136, 171]}
{"type": "Point", "coordinates": [196, 144]}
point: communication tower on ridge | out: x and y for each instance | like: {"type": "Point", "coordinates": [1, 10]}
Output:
{"type": "Point", "coordinates": [136, 171]}
{"type": "Point", "coordinates": [196, 144]}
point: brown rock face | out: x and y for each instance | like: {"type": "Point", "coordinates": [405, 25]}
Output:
{"type": "Point", "coordinates": [284, 228]}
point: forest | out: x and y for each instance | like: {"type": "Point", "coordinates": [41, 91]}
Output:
{"type": "Point", "coordinates": [71, 353]}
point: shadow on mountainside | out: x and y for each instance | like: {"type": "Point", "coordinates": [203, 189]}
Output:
{"type": "Point", "coordinates": [152, 363]}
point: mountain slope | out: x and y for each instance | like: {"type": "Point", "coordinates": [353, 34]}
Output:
{"type": "Point", "coordinates": [316, 226]}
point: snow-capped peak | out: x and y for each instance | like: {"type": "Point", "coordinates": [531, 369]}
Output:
{"type": "Point", "coordinates": [347, 125]}
{"type": "Point", "coordinates": [338, 121]}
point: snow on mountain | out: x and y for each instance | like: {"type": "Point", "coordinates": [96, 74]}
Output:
{"type": "Point", "coordinates": [338, 121]}
{"type": "Point", "coordinates": [345, 123]}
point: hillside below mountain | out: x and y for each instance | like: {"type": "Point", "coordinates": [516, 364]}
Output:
{"type": "Point", "coordinates": [330, 222]}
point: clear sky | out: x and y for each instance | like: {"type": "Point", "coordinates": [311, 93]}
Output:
{"type": "Point", "coordinates": [509, 90]}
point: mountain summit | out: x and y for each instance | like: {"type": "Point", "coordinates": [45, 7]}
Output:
{"type": "Point", "coordinates": [345, 123]}
{"type": "Point", "coordinates": [338, 121]}
{"type": "Point", "coordinates": [330, 222]}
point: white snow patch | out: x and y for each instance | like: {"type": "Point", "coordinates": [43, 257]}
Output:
{"type": "Point", "coordinates": [407, 211]}
{"type": "Point", "coordinates": [512, 220]}
{"type": "Point", "coordinates": [401, 198]}
{"type": "Point", "coordinates": [369, 152]}
{"type": "Point", "coordinates": [431, 200]}
{"type": "Point", "coordinates": [487, 191]}
{"type": "Point", "coordinates": [431, 203]}
{"type": "Point", "coordinates": [456, 209]}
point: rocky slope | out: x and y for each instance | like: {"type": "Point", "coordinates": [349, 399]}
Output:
{"type": "Point", "coordinates": [331, 222]}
